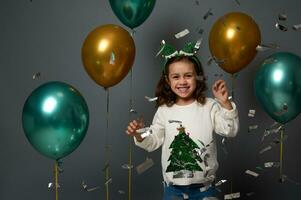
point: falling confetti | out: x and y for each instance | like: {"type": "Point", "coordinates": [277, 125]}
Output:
{"type": "Point", "coordinates": [282, 17]}
{"type": "Point", "coordinates": [232, 196]}
{"type": "Point", "coordinates": [251, 113]}
{"type": "Point", "coordinates": [249, 172]}
{"type": "Point", "coordinates": [151, 99]}
{"type": "Point", "coordinates": [148, 163]}
{"type": "Point", "coordinates": [296, 27]}
{"type": "Point", "coordinates": [207, 14]}
{"type": "Point", "coordinates": [280, 27]}
{"type": "Point", "coordinates": [182, 33]}
{"type": "Point", "coordinates": [36, 76]}
{"type": "Point", "coordinates": [127, 166]}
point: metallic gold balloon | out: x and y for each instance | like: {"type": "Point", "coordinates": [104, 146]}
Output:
{"type": "Point", "coordinates": [233, 40]}
{"type": "Point", "coordinates": [108, 54]}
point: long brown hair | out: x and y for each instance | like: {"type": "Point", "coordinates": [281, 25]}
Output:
{"type": "Point", "coordinates": [167, 96]}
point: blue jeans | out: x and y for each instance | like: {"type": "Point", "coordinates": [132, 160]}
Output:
{"type": "Point", "coordinates": [193, 192]}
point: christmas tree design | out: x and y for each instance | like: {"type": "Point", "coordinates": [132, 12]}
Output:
{"type": "Point", "coordinates": [184, 154]}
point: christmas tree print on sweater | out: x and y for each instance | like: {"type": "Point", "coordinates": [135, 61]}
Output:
{"type": "Point", "coordinates": [184, 156]}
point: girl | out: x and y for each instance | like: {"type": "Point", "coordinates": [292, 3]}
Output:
{"type": "Point", "coordinates": [184, 124]}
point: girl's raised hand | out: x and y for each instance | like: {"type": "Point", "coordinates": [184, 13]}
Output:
{"type": "Point", "coordinates": [220, 92]}
{"type": "Point", "coordinates": [134, 126]}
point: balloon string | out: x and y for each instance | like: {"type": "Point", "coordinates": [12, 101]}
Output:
{"type": "Point", "coordinates": [107, 149]}
{"type": "Point", "coordinates": [56, 180]}
{"type": "Point", "coordinates": [232, 85]}
{"type": "Point", "coordinates": [130, 140]}
{"type": "Point", "coordinates": [281, 154]}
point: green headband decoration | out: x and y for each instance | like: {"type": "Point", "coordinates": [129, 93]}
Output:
{"type": "Point", "coordinates": [190, 49]}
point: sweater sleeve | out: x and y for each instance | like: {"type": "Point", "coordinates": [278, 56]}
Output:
{"type": "Point", "coordinates": [156, 139]}
{"type": "Point", "coordinates": [225, 122]}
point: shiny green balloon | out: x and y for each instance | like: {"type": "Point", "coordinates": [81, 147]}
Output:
{"type": "Point", "coordinates": [278, 86]}
{"type": "Point", "coordinates": [55, 119]}
{"type": "Point", "coordinates": [132, 13]}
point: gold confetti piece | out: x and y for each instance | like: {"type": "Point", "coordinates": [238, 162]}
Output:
{"type": "Point", "coordinates": [148, 163]}
{"type": "Point", "coordinates": [252, 173]}
{"type": "Point", "coordinates": [182, 33]}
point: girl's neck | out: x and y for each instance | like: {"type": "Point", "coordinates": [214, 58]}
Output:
{"type": "Point", "coordinates": [184, 102]}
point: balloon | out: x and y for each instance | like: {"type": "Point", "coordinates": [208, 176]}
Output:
{"type": "Point", "coordinates": [55, 119]}
{"type": "Point", "coordinates": [278, 86]}
{"type": "Point", "coordinates": [233, 40]}
{"type": "Point", "coordinates": [132, 13]}
{"type": "Point", "coordinates": [108, 53]}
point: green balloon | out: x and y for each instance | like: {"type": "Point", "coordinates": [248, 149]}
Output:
{"type": "Point", "coordinates": [278, 86]}
{"type": "Point", "coordinates": [132, 13]}
{"type": "Point", "coordinates": [55, 119]}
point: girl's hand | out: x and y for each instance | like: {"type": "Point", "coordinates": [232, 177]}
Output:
{"type": "Point", "coordinates": [133, 127]}
{"type": "Point", "coordinates": [220, 92]}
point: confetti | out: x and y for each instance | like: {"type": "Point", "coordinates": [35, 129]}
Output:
{"type": "Point", "coordinates": [174, 121]}
{"type": "Point", "coordinates": [145, 132]}
{"type": "Point", "coordinates": [252, 127]}
{"type": "Point", "coordinates": [133, 111]}
{"type": "Point", "coordinates": [185, 196]}
{"type": "Point", "coordinates": [220, 182]}
{"type": "Point", "coordinates": [232, 196]}
{"type": "Point", "coordinates": [85, 187]}
{"type": "Point", "coordinates": [52, 185]}
{"type": "Point", "coordinates": [296, 27]}
{"type": "Point", "coordinates": [265, 47]}
{"type": "Point", "coordinates": [251, 173]}
{"type": "Point", "coordinates": [251, 113]}
{"type": "Point", "coordinates": [282, 17]}
{"type": "Point", "coordinates": [271, 164]}
{"type": "Point", "coordinates": [151, 99]}
{"type": "Point", "coordinates": [216, 60]}
{"type": "Point", "coordinates": [182, 33]}
{"type": "Point", "coordinates": [200, 30]}
{"type": "Point", "coordinates": [280, 27]}
{"type": "Point", "coordinates": [207, 14]}
{"type": "Point", "coordinates": [269, 61]}
{"type": "Point", "coordinates": [148, 163]}
{"type": "Point", "coordinates": [127, 166]}
{"type": "Point", "coordinates": [121, 192]}
{"type": "Point", "coordinates": [265, 149]}
{"type": "Point", "coordinates": [108, 181]}
{"type": "Point", "coordinates": [36, 76]}
{"type": "Point", "coordinates": [250, 194]}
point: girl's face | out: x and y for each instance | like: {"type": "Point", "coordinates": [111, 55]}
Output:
{"type": "Point", "coordinates": [182, 81]}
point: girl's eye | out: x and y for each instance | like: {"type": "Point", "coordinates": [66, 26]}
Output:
{"type": "Point", "coordinates": [175, 77]}
{"type": "Point", "coordinates": [188, 75]}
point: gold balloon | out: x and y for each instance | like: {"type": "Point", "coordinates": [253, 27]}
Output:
{"type": "Point", "coordinates": [233, 40]}
{"type": "Point", "coordinates": [108, 54]}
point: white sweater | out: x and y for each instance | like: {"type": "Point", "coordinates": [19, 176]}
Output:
{"type": "Point", "coordinates": [199, 121]}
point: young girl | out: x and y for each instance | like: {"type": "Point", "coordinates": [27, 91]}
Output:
{"type": "Point", "coordinates": [184, 124]}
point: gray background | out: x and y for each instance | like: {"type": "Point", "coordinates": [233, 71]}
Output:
{"type": "Point", "coordinates": [46, 36]}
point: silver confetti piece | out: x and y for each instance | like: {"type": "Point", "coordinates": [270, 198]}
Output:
{"type": "Point", "coordinates": [250, 194]}
{"type": "Point", "coordinates": [121, 192]}
{"type": "Point", "coordinates": [265, 47]}
{"type": "Point", "coordinates": [112, 59]}
{"type": "Point", "coordinates": [220, 182]}
{"type": "Point", "coordinates": [207, 14]}
{"type": "Point", "coordinates": [151, 99]}
{"type": "Point", "coordinates": [280, 27]}
{"type": "Point", "coordinates": [271, 164]}
{"type": "Point", "coordinates": [252, 173]}
{"type": "Point", "coordinates": [148, 163]}
{"type": "Point", "coordinates": [251, 113]}
{"type": "Point", "coordinates": [216, 60]}
{"type": "Point", "coordinates": [265, 149]}
{"type": "Point", "coordinates": [269, 61]}
{"type": "Point", "coordinates": [127, 166]}
{"type": "Point", "coordinates": [232, 196]}
{"type": "Point", "coordinates": [52, 185]}
{"type": "Point", "coordinates": [185, 196]}
{"type": "Point", "coordinates": [133, 111]}
{"type": "Point", "coordinates": [108, 181]}
{"type": "Point", "coordinates": [145, 132]}
{"type": "Point", "coordinates": [36, 76]}
{"type": "Point", "coordinates": [296, 27]}
{"type": "Point", "coordinates": [282, 17]}
{"type": "Point", "coordinates": [252, 127]}
{"type": "Point", "coordinates": [162, 47]}
{"type": "Point", "coordinates": [182, 33]}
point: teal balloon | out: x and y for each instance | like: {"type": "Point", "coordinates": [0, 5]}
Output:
{"type": "Point", "coordinates": [55, 119]}
{"type": "Point", "coordinates": [132, 13]}
{"type": "Point", "coordinates": [278, 86]}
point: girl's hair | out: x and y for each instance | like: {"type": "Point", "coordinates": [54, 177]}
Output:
{"type": "Point", "coordinates": [167, 96]}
